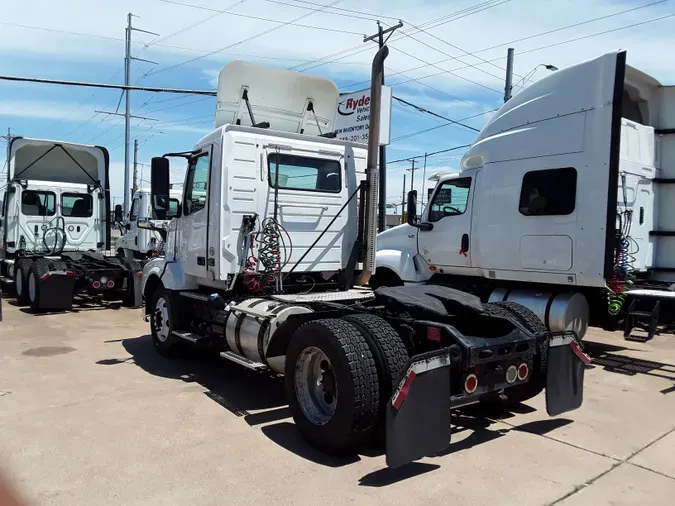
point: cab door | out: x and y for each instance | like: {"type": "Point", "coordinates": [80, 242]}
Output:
{"type": "Point", "coordinates": [448, 244]}
{"type": "Point", "coordinates": [193, 225]}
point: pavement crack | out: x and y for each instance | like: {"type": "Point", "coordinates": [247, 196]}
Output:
{"type": "Point", "coordinates": [617, 464]}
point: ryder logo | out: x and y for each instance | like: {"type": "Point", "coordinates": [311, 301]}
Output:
{"type": "Point", "coordinates": [351, 105]}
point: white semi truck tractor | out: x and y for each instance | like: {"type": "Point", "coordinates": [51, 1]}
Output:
{"type": "Point", "coordinates": [55, 227]}
{"type": "Point", "coordinates": [565, 204]}
{"type": "Point", "coordinates": [267, 264]}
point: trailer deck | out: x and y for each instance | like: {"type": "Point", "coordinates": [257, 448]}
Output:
{"type": "Point", "coordinates": [125, 425]}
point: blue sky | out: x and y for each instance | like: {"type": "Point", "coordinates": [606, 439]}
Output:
{"type": "Point", "coordinates": [187, 32]}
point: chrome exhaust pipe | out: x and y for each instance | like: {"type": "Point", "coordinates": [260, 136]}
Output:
{"type": "Point", "coordinates": [372, 173]}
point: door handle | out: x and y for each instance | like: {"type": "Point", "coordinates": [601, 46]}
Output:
{"type": "Point", "coordinates": [201, 260]}
{"type": "Point", "coordinates": [465, 245]}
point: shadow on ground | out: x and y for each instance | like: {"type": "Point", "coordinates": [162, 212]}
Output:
{"type": "Point", "coordinates": [606, 356]}
{"type": "Point", "coordinates": [241, 391]}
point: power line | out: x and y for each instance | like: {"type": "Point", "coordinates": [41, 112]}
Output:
{"type": "Point", "coordinates": [412, 134]}
{"type": "Point", "coordinates": [374, 17]}
{"type": "Point", "coordinates": [431, 154]}
{"type": "Point", "coordinates": [509, 43]}
{"type": "Point", "coordinates": [258, 18]}
{"type": "Point", "coordinates": [427, 111]}
{"type": "Point", "coordinates": [332, 58]}
{"type": "Point", "coordinates": [252, 37]}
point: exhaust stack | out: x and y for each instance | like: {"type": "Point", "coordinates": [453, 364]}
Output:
{"type": "Point", "coordinates": [372, 174]}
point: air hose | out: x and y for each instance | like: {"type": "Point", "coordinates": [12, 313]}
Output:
{"type": "Point", "coordinates": [623, 275]}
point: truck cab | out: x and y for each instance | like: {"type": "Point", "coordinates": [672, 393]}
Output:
{"type": "Point", "coordinates": [566, 190]}
{"type": "Point", "coordinates": [138, 242]}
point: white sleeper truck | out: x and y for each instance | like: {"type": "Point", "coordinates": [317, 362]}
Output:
{"type": "Point", "coordinates": [55, 226]}
{"type": "Point", "coordinates": [137, 242]}
{"type": "Point", "coordinates": [565, 204]}
{"type": "Point", "coordinates": [267, 261]}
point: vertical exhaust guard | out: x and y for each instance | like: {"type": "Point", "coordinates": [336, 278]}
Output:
{"type": "Point", "coordinates": [372, 174]}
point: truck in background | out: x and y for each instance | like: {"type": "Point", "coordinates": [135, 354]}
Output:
{"type": "Point", "coordinates": [137, 242]}
{"type": "Point", "coordinates": [565, 204]}
{"type": "Point", "coordinates": [55, 227]}
{"type": "Point", "coordinates": [267, 261]}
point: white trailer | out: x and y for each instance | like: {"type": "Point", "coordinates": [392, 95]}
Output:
{"type": "Point", "coordinates": [266, 264]}
{"type": "Point", "coordinates": [137, 242]}
{"type": "Point", "coordinates": [565, 204]}
{"type": "Point", "coordinates": [55, 226]}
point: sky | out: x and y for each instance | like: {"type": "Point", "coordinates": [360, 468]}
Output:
{"type": "Point", "coordinates": [449, 57]}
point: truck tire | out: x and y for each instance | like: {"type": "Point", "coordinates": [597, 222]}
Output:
{"type": "Point", "coordinates": [21, 268]}
{"type": "Point", "coordinates": [129, 298]}
{"type": "Point", "coordinates": [164, 319]}
{"type": "Point", "coordinates": [331, 385]}
{"type": "Point", "coordinates": [391, 358]}
{"type": "Point", "coordinates": [531, 322]}
{"type": "Point", "coordinates": [38, 269]}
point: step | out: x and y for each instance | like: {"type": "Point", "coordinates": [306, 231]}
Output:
{"type": "Point", "coordinates": [640, 313]}
{"type": "Point", "coordinates": [238, 359]}
{"type": "Point", "coordinates": [195, 295]}
{"type": "Point", "coordinates": [192, 337]}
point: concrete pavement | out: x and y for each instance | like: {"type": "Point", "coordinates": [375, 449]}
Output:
{"type": "Point", "coordinates": [90, 414]}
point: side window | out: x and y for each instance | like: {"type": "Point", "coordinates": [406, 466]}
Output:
{"type": "Point", "coordinates": [196, 186]}
{"type": "Point", "coordinates": [37, 203]}
{"type": "Point", "coordinates": [305, 173]}
{"type": "Point", "coordinates": [173, 208]}
{"type": "Point", "coordinates": [450, 199]}
{"type": "Point", "coordinates": [133, 213]}
{"type": "Point", "coordinates": [77, 205]}
{"type": "Point", "coordinates": [550, 192]}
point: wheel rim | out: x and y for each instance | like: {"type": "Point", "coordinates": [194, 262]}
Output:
{"type": "Point", "coordinates": [160, 319]}
{"type": "Point", "coordinates": [316, 385]}
{"type": "Point", "coordinates": [32, 287]}
{"type": "Point", "coordinates": [18, 281]}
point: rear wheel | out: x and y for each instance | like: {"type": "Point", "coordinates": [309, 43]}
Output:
{"type": "Point", "coordinates": [390, 355]}
{"type": "Point", "coordinates": [164, 319]}
{"type": "Point", "coordinates": [37, 270]}
{"type": "Point", "coordinates": [531, 322]}
{"type": "Point", "coordinates": [21, 268]}
{"type": "Point", "coordinates": [331, 385]}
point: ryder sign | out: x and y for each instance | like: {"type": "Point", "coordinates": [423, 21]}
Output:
{"type": "Point", "coordinates": [353, 116]}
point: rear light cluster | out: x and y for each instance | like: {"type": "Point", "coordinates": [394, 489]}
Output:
{"type": "Point", "coordinates": [103, 282]}
{"type": "Point", "coordinates": [513, 373]}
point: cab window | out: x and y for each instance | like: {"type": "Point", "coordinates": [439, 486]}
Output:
{"type": "Point", "coordinates": [133, 213]}
{"type": "Point", "coordinates": [38, 203]}
{"type": "Point", "coordinates": [450, 199]}
{"type": "Point", "coordinates": [304, 173]}
{"type": "Point", "coordinates": [77, 205]}
{"type": "Point", "coordinates": [196, 186]}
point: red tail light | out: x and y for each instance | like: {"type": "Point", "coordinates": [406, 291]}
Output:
{"type": "Point", "coordinates": [434, 334]}
{"type": "Point", "coordinates": [110, 284]}
{"type": "Point", "coordinates": [139, 274]}
{"type": "Point", "coordinates": [45, 276]}
{"type": "Point", "coordinates": [70, 274]}
{"type": "Point", "coordinates": [96, 284]}
{"type": "Point", "coordinates": [523, 371]}
{"type": "Point", "coordinates": [471, 383]}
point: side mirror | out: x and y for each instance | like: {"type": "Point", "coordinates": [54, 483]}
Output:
{"type": "Point", "coordinates": [118, 213]}
{"type": "Point", "coordinates": [411, 212]}
{"type": "Point", "coordinates": [159, 186]}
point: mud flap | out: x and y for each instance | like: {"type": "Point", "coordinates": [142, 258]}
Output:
{"type": "Point", "coordinates": [56, 292]}
{"type": "Point", "coordinates": [134, 287]}
{"type": "Point", "coordinates": [565, 375]}
{"type": "Point", "coordinates": [418, 413]}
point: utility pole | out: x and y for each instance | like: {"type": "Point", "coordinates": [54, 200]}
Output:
{"type": "Point", "coordinates": [412, 175]}
{"type": "Point", "coordinates": [403, 201]}
{"type": "Point", "coordinates": [135, 183]}
{"type": "Point", "coordinates": [381, 212]}
{"type": "Point", "coordinates": [127, 109]}
{"type": "Point", "coordinates": [508, 88]}
{"type": "Point", "coordinates": [424, 179]}
{"type": "Point", "coordinates": [8, 138]}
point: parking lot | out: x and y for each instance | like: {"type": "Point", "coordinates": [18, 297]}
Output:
{"type": "Point", "coordinates": [90, 414]}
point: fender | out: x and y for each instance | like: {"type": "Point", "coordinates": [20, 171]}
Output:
{"type": "Point", "coordinates": [403, 264]}
{"type": "Point", "coordinates": [171, 274]}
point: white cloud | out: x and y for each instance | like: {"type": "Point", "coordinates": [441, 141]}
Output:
{"type": "Point", "coordinates": [43, 109]}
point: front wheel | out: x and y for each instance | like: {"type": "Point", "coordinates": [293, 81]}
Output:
{"type": "Point", "coordinates": [164, 319]}
{"type": "Point", "coordinates": [331, 385]}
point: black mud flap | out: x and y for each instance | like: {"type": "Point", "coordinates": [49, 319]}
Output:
{"type": "Point", "coordinates": [134, 287]}
{"type": "Point", "coordinates": [418, 413]}
{"type": "Point", "coordinates": [56, 292]}
{"type": "Point", "coordinates": [565, 375]}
